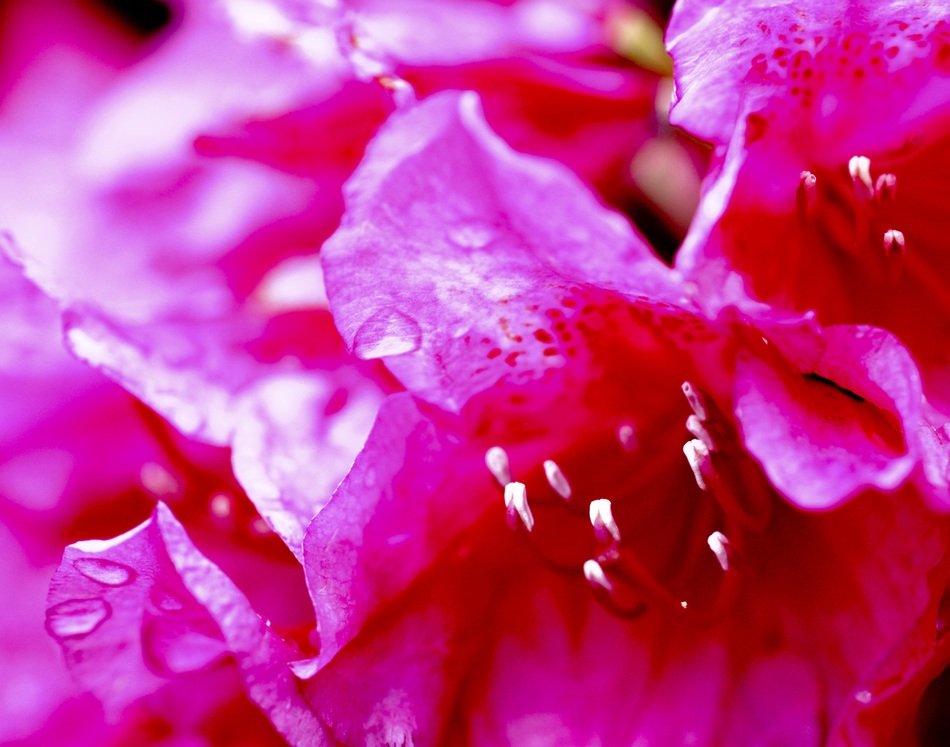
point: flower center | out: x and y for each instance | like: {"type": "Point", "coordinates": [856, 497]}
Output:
{"type": "Point", "coordinates": [646, 527]}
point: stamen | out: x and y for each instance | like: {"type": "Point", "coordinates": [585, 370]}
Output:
{"type": "Point", "coordinates": [719, 544]}
{"type": "Point", "coordinates": [260, 527]}
{"type": "Point", "coordinates": [807, 193]}
{"type": "Point", "coordinates": [886, 187]}
{"type": "Point", "coordinates": [697, 455]}
{"type": "Point", "coordinates": [220, 505]}
{"type": "Point", "coordinates": [496, 459]}
{"type": "Point", "coordinates": [695, 400]}
{"type": "Point", "coordinates": [859, 167]}
{"type": "Point", "coordinates": [158, 481]}
{"type": "Point", "coordinates": [894, 243]}
{"type": "Point", "coordinates": [627, 437]}
{"type": "Point", "coordinates": [695, 426]}
{"type": "Point", "coordinates": [595, 575]}
{"type": "Point", "coordinates": [516, 501]}
{"type": "Point", "coordinates": [556, 479]}
{"type": "Point", "coordinates": [602, 519]}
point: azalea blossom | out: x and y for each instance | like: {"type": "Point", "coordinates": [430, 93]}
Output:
{"type": "Point", "coordinates": [187, 315]}
{"type": "Point", "coordinates": [367, 416]}
{"type": "Point", "coordinates": [830, 123]}
{"type": "Point", "coordinates": [582, 412]}
{"type": "Point", "coordinates": [512, 541]}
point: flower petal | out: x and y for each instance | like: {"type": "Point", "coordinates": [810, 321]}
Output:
{"type": "Point", "coordinates": [849, 423]}
{"type": "Point", "coordinates": [397, 510]}
{"type": "Point", "coordinates": [146, 606]}
{"type": "Point", "coordinates": [433, 273]}
{"type": "Point", "coordinates": [817, 67]}
{"type": "Point", "coordinates": [296, 441]}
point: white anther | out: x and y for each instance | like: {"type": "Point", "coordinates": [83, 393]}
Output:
{"type": "Point", "coordinates": [809, 184]}
{"type": "Point", "coordinates": [859, 167]}
{"type": "Point", "coordinates": [807, 193]}
{"type": "Point", "coordinates": [496, 459]}
{"type": "Point", "coordinates": [556, 479]}
{"type": "Point", "coordinates": [260, 527]}
{"type": "Point", "coordinates": [894, 243]}
{"type": "Point", "coordinates": [158, 481]}
{"type": "Point", "coordinates": [695, 426]}
{"type": "Point", "coordinates": [684, 604]}
{"type": "Point", "coordinates": [697, 455]}
{"type": "Point", "coordinates": [695, 400]}
{"type": "Point", "coordinates": [627, 437]}
{"type": "Point", "coordinates": [516, 501]}
{"type": "Point", "coordinates": [595, 575]}
{"type": "Point", "coordinates": [602, 519]}
{"type": "Point", "coordinates": [220, 505]}
{"type": "Point", "coordinates": [719, 544]}
{"type": "Point", "coordinates": [886, 187]}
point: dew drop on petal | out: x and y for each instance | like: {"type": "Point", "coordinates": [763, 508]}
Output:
{"type": "Point", "coordinates": [76, 617]}
{"type": "Point", "coordinates": [304, 669]}
{"type": "Point", "coordinates": [105, 572]}
{"type": "Point", "coordinates": [387, 332]}
{"type": "Point", "coordinates": [165, 602]}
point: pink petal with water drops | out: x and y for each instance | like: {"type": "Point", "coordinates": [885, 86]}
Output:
{"type": "Point", "coordinates": [134, 611]}
{"type": "Point", "coordinates": [519, 235]}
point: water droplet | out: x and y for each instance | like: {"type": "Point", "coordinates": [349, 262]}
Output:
{"type": "Point", "coordinates": [166, 602]}
{"type": "Point", "coordinates": [105, 572]}
{"type": "Point", "coordinates": [76, 617]}
{"type": "Point", "coordinates": [304, 669]}
{"type": "Point", "coordinates": [387, 332]}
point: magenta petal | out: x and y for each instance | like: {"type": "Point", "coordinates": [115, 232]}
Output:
{"type": "Point", "coordinates": [399, 508]}
{"type": "Point", "coordinates": [294, 435]}
{"type": "Point", "coordinates": [132, 612]}
{"type": "Point", "coordinates": [403, 679]}
{"type": "Point", "coordinates": [824, 434]}
{"type": "Point", "coordinates": [264, 659]}
{"type": "Point", "coordinates": [191, 374]}
{"type": "Point", "coordinates": [830, 123]}
{"type": "Point", "coordinates": [295, 441]}
{"type": "Point", "coordinates": [438, 274]}
{"type": "Point", "coordinates": [124, 619]}
{"type": "Point", "coordinates": [862, 58]}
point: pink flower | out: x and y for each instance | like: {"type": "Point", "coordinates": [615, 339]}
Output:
{"type": "Point", "coordinates": [830, 122]}
{"type": "Point", "coordinates": [608, 589]}
{"type": "Point", "coordinates": [182, 194]}
{"type": "Point", "coordinates": [540, 488]}
{"type": "Point", "coordinates": [207, 316]}
{"type": "Point", "coordinates": [546, 325]}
